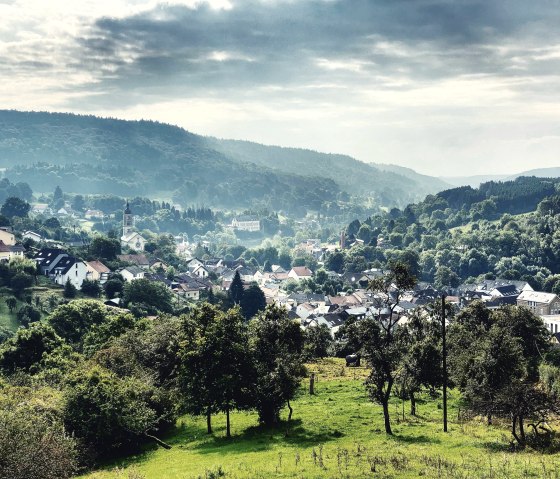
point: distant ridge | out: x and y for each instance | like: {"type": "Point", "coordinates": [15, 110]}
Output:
{"type": "Point", "coordinates": [88, 154]}
{"type": "Point", "coordinates": [475, 181]}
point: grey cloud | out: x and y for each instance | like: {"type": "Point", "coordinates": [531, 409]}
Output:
{"type": "Point", "coordinates": [279, 43]}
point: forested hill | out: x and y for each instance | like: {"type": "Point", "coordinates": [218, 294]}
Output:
{"type": "Point", "coordinates": [392, 184]}
{"type": "Point", "coordinates": [489, 200]}
{"type": "Point", "coordinates": [87, 154]}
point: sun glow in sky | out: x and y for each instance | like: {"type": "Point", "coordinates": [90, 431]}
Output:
{"type": "Point", "coordinates": [444, 87]}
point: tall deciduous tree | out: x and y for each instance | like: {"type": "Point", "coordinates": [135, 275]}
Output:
{"type": "Point", "coordinates": [384, 343]}
{"type": "Point", "coordinates": [276, 344]}
{"type": "Point", "coordinates": [14, 206]}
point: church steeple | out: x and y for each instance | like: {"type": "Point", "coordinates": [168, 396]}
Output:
{"type": "Point", "coordinates": [128, 220]}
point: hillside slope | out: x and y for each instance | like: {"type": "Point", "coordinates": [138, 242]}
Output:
{"type": "Point", "coordinates": [87, 154]}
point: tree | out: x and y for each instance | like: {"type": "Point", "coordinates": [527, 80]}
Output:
{"type": "Point", "coordinates": [15, 207]}
{"type": "Point", "coordinates": [109, 413]}
{"type": "Point", "coordinates": [236, 289]}
{"type": "Point", "coordinates": [58, 195]}
{"type": "Point", "coordinates": [73, 320]}
{"type": "Point", "coordinates": [113, 287]}
{"type": "Point", "coordinates": [33, 443]}
{"type": "Point", "coordinates": [91, 288]}
{"type": "Point", "coordinates": [422, 362]}
{"type": "Point", "coordinates": [105, 248]}
{"type": "Point", "coordinates": [494, 361]}
{"type": "Point", "coordinates": [153, 296]}
{"type": "Point", "coordinates": [335, 262]}
{"type": "Point", "coordinates": [252, 301]}
{"type": "Point", "coordinates": [11, 302]}
{"type": "Point", "coordinates": [383, 341]}
{"type": "Point", "coordinates": [276, 344]}
{"type": "Point", "coordinates": [27, 347]}
{"type": "Point", "coordinates": [216, 357]}
{"type": "Point", "coordinates": [52, 223]}
{"type": "Point", "coordinates": [318, 340]}
{"type": "Point", "coordinates": [19, 282]}
{"type": "Point", "coordinates": [70, 291]}
{"type": "Point", "coordinates": [28, 314]}
{"type": "Point", "coordinates": [78, 203]}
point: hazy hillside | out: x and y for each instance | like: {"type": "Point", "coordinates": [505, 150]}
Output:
{"type": "Point", "coordinates": [87, 154]}
{"type": "Point", "coordinates": [391, 184]}
{"type": "Point", "coordinates": [476, 180]}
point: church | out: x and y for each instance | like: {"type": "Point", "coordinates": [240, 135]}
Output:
{"type": "Point", "coordinates": [131, 238]}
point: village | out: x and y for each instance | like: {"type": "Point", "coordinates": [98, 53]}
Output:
{"type": "Point", "coordinates": [285, 287]}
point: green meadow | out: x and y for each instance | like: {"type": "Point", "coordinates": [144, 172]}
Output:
{"type": "Point", "coordinates": [338, 433]}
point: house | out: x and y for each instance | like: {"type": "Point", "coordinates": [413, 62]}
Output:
{"type": "Point", "coordinates": [300, 272]}
{"type": "Point", "coordinates": [41, 209]}
{"type": "Point", "coordinates": [552, 322]}
{"type": "Point", "coordinates": [200, 271]}
{"type": "Point", "coordinates": [7, 237]}
{"type": "Point", "coordinates": [31, 235]}
{"type": "Point", "coordinates": [48, 258]}
{"type": "Point", "coordinates": [136, 259]}
{"type": "Point", "coordinates": [246, 223]}
{"type": "Point", "coordinates": [130, 273]}
{"type": "Point", "coordinates": [98, 271]}
{"type": "Point", "coordinates": [70, 269]}
{"type": "Point", "coordinates": [539, 303]}
{"type": "Point", "coordinates": [133, 241]}
{"type": "Point", "coordinates": [190, 287]}
{"type": "Point", "coordinates": [93, 214]}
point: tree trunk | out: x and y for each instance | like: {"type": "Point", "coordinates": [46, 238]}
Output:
{"type": "Point", "coordinates": [159, 441]}
{"type": "Point", "coordinates": [514, 431]}
{"type": "Point", "coordinates": [386, 417]}
{"type": "Point", "coordinates": [291, 411]}
{"type": "Point", "coordinates": [489, 420]}
{"type": "Point", "coordinates": [208, 421]}
{"type": "Point", "coordinates": [521, 429]}
{"type": "Point", "coordinates": [412, 404]}
{"type": "Point", "coordinates": [312, 384]}
{"type": "Point", "coordinates": [228, 429]}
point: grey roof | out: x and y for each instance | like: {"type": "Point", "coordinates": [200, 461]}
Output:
{"type": "Point", "coordinates": [64, 265]}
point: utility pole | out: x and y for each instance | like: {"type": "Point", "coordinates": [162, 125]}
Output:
{"type": "Point", "coordinates": [444, 354]}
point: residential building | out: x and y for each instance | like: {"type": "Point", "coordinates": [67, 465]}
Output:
{"type": "Point", "coordinates": [98, 271]}
{"type": "Point", "coordinates": [130, 273]}
{"type": "Point", "coordinates": [300, 272]}
{"type": "Point", "coordinates": [539, 303]}
{"type": "Point", "coordinates": [69, 268]}
{"type": "Point", "coordinates": [246, 223]}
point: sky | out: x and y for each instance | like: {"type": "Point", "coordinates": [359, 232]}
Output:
{"type": "Point", "coordinates": [445, 87]}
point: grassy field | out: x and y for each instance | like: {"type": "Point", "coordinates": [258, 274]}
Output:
{"type": "Point", "coordinates": [43, 290]}
{"type": "Point", "coordinates": [338, 433]}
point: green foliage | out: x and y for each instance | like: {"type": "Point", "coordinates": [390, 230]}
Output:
{"type": "Point", "coordinates": [70, 291]}
{"type": "Point", "coordinates": [215, 362]}
{"type": "Point", "coordinates": [33, 443]}
{"type": "Point", "coordinates": [105, 248]}
{"type": "Point", "coordinates": [73, 320]}
{"type": "Point", "coordinates": [151, 296]}
{"type": "Point", "coordinates": [91, 288]}
{"type": "Point", "coordinates": [252, 301]}
{"type": "Point", "coordinates": [236, 289]}
{"type": "Point", "coordinates": [318, 341]}
{"type": "Point", "coordinates": [28, 314]}
{"type": "Point", "coordinates": [106, 412]}
{"type": "Point", "coordinates": [113, 287]}
{"type": "Point", "coordinates": [276, 344]}
{"type": "Point", "coordinates": [14, 206]}
{"type": "Point", "coordinates": [28, 347]}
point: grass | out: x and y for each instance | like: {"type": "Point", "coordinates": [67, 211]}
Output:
{"type": "Point", "coordinates": [337, 433]}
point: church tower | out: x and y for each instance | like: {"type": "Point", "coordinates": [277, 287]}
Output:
{"type": "Point", "coordinates": [128, 220]}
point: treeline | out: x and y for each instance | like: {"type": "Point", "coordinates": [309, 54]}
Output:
{"type": "Point", "coordinates": [490, 244]}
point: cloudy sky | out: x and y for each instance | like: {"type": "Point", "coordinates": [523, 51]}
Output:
{"type": "Point", "coordinates": [445, 87]}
